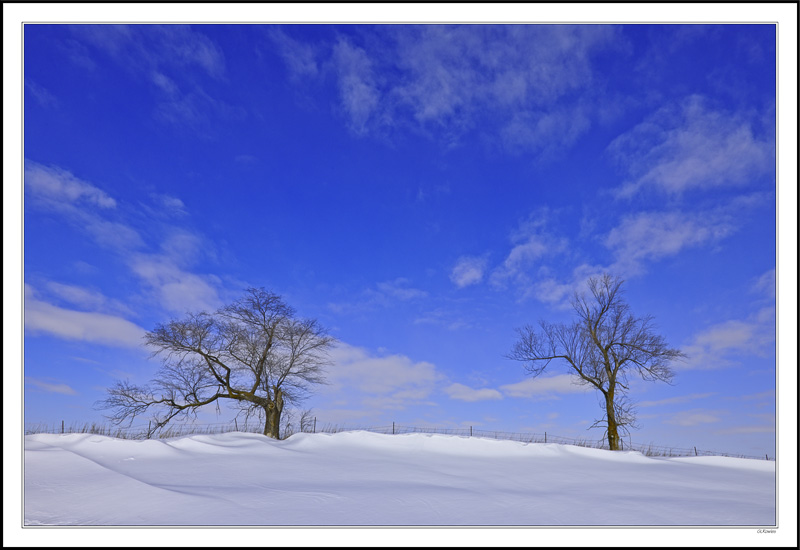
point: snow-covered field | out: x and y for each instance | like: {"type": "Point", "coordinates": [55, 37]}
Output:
{"type": "Point", "coordinates": [367, 479]}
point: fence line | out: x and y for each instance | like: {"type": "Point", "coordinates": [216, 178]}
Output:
{"type": "Point", "coordinates": [179, 430]}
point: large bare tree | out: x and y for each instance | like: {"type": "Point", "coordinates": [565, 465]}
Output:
{"type": "Point", "coordinates": [254, 352]}
{"type": "Point", "coordinates": [602, 348]}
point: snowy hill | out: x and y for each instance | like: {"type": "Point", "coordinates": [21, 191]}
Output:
{"type": "Point", "coordinates": [367, 479]}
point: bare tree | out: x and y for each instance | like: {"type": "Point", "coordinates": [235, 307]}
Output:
{"type": "Point", "coordinates": [255, 352]}
{"type": "Point", "coordinates": [605, 345]}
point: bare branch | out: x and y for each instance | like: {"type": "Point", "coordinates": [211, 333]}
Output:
{"type": "Point", "coordinates": [601, 348]}
{"type": "Point", "coordinates": [254, 352]}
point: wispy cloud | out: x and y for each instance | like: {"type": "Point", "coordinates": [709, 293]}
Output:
{"type": "Point", "coordinates": [675, 400]}
{"type": "Point", "coordinates": [380, 382]}
{"type": "Point", "coordinates": [41, 94]}
{"type": "Point", "coordinates": [649, 236]}
{"type": "Point", "coordinates": [50, 387]}
{"type": "Point", "coordinates": [451, 320]}
{"type": "Point", "coordinates": [299, 57]}
{"type": "Point", "coordinates": [765, 285]}
{"type": "Point", "coordinates": [692, 146]}
{"type": "Point", "coordinates": [176, 289]}
{"type": "Point", "coordinates": [173, 59]}
{"type": "Point", "coordinates": [542, 387]}
{"type": "Point", "coordinates": [164, 263]}
{"type": "Point", "coordinates": [101, 328]}
{"type": "Point", "coordinates": [169, 205]}
{"type": "Point", "coordinates": [469, 270]}
{"type": "Point", "coordinates": [520, 82]}
{"type": "Point", "coordinates": [144, 48]}
{"type": "Point", "coordinates": [696, 417]}
{"type": "Point", "coordinates": [532, 241]}
{"type": "Point", "coordinates": [357, 88]}
{"type": "Point", "coordinates": [383, 294]}
{"type": "Point", "coordinates": [461, 392]}
{"type": "Point", "coordinates": [725, 344]}
{"type": "Point", "coordinates": [763, 429]}
{"type": "Point", "coordinates": [87, 299]}
{"type": "Point", "coordinates": [58, 188]}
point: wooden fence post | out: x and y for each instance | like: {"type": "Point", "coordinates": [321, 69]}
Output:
{"type": "Point", "coordinates": [314, 429]}
{"type": "Point", "coordinates": [62, 426]}
{"type": "Point", "coordinates": [470, 431]}
{"type": "Point", "coordinates": [392, 427]}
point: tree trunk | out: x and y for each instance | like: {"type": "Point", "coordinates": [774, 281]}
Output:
{"type": "Point", "coordinates": [613, 433]}
{"type": "Point", "coordinates": [272, 425]}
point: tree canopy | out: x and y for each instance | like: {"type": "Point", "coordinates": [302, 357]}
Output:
{"type": "Point", "coordinates": [603, 347]}
{"type": "Point", "coordinates": [255, 352]}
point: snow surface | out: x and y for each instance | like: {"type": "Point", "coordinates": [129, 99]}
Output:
{"type": "Point", "coordinates": [367, 479]}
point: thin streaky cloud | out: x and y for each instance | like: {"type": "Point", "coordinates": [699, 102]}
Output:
{"type": "Point", "coordinates": [696, 417]}
{"type": "Point", "coordinates": [515, 82]}
{"type": "Point", "coordinates": [674, 400]}
{"type": "Point", "coordinates": [724, 344]}
{"type": "Point", "coordinates": [650, 236]}
{"type": "Point", "coordinates": [57, 186]}
{"type": "Point", "coordinates": [100, 328]}
{"type": "Point", "coordinates": [300, 57]}
{"type": "Point", "coordinates": [460, 392]}
{"type": "Point", "coordinates": [41, 94]}
{"type": "Point", "coordinates": [544, 387]}
{"type": "Point", "coordinates": [692, 146]}
{"type": "Point", "coordinates": [50, 387]}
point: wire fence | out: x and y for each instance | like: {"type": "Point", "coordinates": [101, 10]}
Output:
{"type": "Point", "coordinates": [180, 430]}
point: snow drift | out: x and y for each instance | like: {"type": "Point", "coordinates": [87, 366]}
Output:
{"type": "Point", "coordinates": [367, 479]}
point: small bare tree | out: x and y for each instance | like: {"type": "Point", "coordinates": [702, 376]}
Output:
{"type": "Point", "coordinates": [255, 352]}
{"type": "Point", "coordinates": [602, 347]}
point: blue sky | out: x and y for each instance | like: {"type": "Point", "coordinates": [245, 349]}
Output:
{"type": "Point", "coordinates": [421, 190]}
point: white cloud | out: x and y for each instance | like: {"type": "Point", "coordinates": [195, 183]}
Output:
{"type": "Point", "coordinates": [465, 393]}
{"type": "Point", "coordinates": [765, 285]}
{"type": "Point", "coordinates": [173, 58]}
{"type": "Point", "coordinates": [547, 130]}
{"type": "Point", "coordinates": [145, 48]}
{"type": "Point", "coordinates": [380, 382]}
{"type": "Point", "coordinates": [399, 289]}
{"type": "Point", "coordinates": [468, 271]}
{"type": "Point", "coordinates": [172, 205]}
{"type": "Point", "coordinates": [49, 387]}
{"type": "Point", "coordinates": [545, 387]}
{"type": "Point", "coordinates": [765, 429]}
{"type": "Point", "coordinates": [42, 95]}
{"type": "Point", "coordinates": [86, 299]}
{"type": "Point", "coordinates": [674, 400]}
{"type": "Point", "coordinates": [300, 58]}
{"type": "Point", "coordinates": [445, 318]}
{"type": "Point", "coordinates": [724, 344]}
{"type": "Point", "coordinates": [177, 290]}
{"type": "Point", "coordinates": [445, 80]}
{"type": "Point", "coordinates": [655, 235]}
{"type": "Point", "coordinates": [691, 146]}
{"type": "Point", "coordinates": [101, 328]}
{"type": "Point", "coordinates": [57, 187]}
{"type": "Point", "coordinates": [696, 417]}
{"type": "Point", "coordinates": [384, 294]}
{"type": "Point", "coordinates": [166, 272]}
{"type": "Point", "coordinates": [357, 88]}
{"type": "Point", "coordinates": [114, 235]}
{"type": "Point", "coordinates": [532, 241]}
